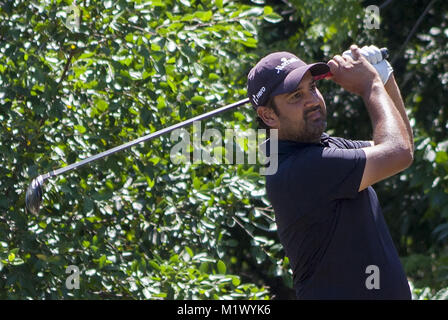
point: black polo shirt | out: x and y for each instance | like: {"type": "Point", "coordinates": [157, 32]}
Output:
{"type": "Point", "coordinates": [334, 236]}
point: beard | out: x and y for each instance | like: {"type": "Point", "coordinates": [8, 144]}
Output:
{"type": "Point", "coordinates": [313, 127]}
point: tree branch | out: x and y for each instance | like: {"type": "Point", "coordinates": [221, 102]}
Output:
{"type": "Point", "coordinates": [398, 54]}
{"type": "Point", "coordinates": [66, 67]}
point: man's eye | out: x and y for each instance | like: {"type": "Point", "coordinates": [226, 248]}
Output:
{"type": "Point", "coordinates": [295, 97]}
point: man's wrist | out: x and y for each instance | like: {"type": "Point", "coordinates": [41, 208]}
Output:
{"type": "Point", "coordinates": [375, 86]}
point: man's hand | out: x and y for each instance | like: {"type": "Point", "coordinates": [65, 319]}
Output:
{"type": "Point", "coordinates": [356, 75]}
{"type": "Point", "coordinates": [371, 53]}
{"type": "Point", "coordinates": [374, 56]}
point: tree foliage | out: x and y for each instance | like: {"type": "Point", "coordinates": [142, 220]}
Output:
{"type": "Point", "coordinates": [140, 226]}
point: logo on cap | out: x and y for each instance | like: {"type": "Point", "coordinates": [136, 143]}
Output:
{"type": "Point", "coordinates": [259, 94]}
{"type": "Point", "coordinates": [284, 63]}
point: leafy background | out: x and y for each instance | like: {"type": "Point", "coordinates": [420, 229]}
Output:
{"type": "Point", "coordinates": [139, 226]}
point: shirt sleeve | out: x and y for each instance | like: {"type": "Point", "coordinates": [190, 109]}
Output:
{"type": "Point", "coordinates": [349, 144]}
{"type": "Point", "coordinates": [327, 174]}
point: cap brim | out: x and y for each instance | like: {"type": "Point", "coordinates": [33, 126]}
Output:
{"type": "Point", "coordinates": [293, 79]}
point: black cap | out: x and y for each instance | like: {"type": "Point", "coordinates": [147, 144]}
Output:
{"type": "Point", "coordinates": [278, 73]}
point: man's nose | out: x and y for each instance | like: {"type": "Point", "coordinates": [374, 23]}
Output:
{"type": "Point", "coordinates": [312, 98]}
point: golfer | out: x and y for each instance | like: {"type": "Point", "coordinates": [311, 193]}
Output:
{"type": "Point", "coordinates": [328, 216]}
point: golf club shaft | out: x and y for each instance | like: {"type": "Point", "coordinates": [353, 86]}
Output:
{"type": "Point", "coordinates": [142, 139]}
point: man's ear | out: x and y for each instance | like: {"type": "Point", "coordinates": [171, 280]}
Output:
{"type": "Point", "coordinates": [268, 116]}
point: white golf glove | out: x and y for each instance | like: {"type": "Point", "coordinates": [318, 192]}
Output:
{"type": "Point", "coordinates": [373, 55]}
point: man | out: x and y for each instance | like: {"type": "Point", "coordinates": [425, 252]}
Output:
{"type": "Point", "coordinates": [328, 216]}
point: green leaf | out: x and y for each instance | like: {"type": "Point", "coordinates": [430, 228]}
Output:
{"type": "Point", "coordinates": [209, 59]}
{"type": "Point", "coordinates": [247, 25]}
{"type": "Point", "coordinates": [81, 129]}
{"type": "Point", "coordinates": [251, 42]}
{"type": "Point", "coordinates": [11, 257]}
{"type": "Point", "coordinates": [102, 261]}
{"type": "Point", "coordinates": [174, 258]}
{"type": "Point", "coordinates": [236, 281]}
{"type": "Point", "coordinates": [155, 47]}
{"type": "Point", "coordinates": [197, 183]}
{"type": "Point", "coordinates": [158, 3]}
{"type": "Point", "coordinates": [442, 157]}
{"type": "Point", "coordinates": [188, 17]}
{"type": "Point", "coordinates": [101, 104]}
{"type": "Point", "coordinates": [154, 265]}
{"type": "Point", "coordinates": [204, 267]}
{"type": "Point", "coordinates": [221, 267]}
{"type": "Point", "coordinates": [267, 10]}
{"type": "Point", "coordinates": [189, 251]}
{"type": "Point", "coordinates": [253, 12]}
{"type": "Point", "coordinates": [129, 37]}
{"type": "Point", "coordinates": [198, 100]}
{"type": "Point", "coordinates": [213, 77]}
{"type": "Point", "coordinates": [273, 18]}
{"type": "Point", "coordinates": [204, 16]}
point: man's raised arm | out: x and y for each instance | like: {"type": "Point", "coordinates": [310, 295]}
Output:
{"type": "Point", "coordinates": [392, 151]}
{"type": "Point", "coordinates": [394, 93]}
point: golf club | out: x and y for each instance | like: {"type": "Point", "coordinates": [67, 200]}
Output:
{"type": "Point", "coordinates": [33, 197]}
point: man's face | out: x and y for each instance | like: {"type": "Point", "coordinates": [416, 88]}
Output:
{"type": "Point", "coordinates": [302, 114]}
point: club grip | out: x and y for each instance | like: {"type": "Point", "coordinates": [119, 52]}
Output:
{"type": "Point", "coordinates": [384, 53]}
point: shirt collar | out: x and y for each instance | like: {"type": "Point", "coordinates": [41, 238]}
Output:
{"type": "Point", "coordinates": [288, 146]}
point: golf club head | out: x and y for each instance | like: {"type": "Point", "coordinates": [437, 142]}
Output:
{"type": "Point", "coordinates": [33, 197]}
